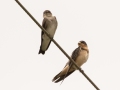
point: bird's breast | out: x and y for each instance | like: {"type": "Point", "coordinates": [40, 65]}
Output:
{"type": "Point", "coordinates": [82, 58]}
{"type": "Point", "coordinates": [52, 27]}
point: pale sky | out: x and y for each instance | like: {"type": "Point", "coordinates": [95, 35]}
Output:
{"type": "Point", "coordinates": [96, 22]}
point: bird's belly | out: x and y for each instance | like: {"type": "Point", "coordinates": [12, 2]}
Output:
{"type": "Point", "coordinates": [51, 32]}
{"type": "Point", "coordinates": [81, 59]}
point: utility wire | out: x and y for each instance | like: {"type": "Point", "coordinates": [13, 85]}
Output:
{"type": "Point", "coordinates": [56, 44]}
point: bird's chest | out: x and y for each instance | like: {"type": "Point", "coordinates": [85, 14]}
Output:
{"type": "Point", "coordinates": [51, 27]}
{"type": "Point", "coordinates": [82, 58]}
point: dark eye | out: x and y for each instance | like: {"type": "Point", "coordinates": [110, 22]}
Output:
{"type": "Point", "coordinates": [48, 11]}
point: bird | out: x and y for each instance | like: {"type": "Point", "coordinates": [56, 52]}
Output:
{"type": "Point", "coordinates": [79, 55]}
{"type": "Point", "coordinates": [50, 24]}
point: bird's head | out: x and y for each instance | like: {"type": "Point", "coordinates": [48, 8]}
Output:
{"type": "Point", "coordinates": [47, 13]}
{"type": "Point", "coordinates": [82, 43]}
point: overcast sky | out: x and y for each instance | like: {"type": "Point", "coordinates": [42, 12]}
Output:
{"type": "Point", "coordinates": [96, 22]}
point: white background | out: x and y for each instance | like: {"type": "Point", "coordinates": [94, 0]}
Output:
{"type": "Point", "coordinates": [96, 22]}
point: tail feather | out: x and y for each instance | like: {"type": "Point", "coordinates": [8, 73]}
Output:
{"type": "Point", "coordinates": [40, 51]}
{"type": "Point", "coordinates": [58, 78]}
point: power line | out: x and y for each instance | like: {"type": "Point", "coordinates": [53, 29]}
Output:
{"type": "Point", "coordinates": [56, 44]}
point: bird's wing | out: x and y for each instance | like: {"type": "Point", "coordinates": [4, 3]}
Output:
{"type": "Point", "coordinates": [44, 25]}
{"type": "Point", "coordinates": [57, 79]}
{"type": "Point", "coordinates": [56, 22]}
{"type": "Point", "coordinates": [75, 54]}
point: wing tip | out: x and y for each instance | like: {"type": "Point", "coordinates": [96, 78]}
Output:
{"type": "Point", "coordinates": [56, 78]}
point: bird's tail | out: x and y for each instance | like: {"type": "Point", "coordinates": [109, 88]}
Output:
{"type": "Point", "coordinates": [40, 51]}
{"type": "Point", "coordinates": [56, 77]}
{"type": "Point", "coordinates": [61, 76]}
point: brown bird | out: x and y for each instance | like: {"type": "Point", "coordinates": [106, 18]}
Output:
{"type": "Point", "coordinates": [50, 25]}
{"type": "Point", "coordinates": [79, 55]}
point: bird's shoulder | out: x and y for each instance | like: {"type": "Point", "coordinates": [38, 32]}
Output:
{"type": "Point", "coordinates": [75, 53]}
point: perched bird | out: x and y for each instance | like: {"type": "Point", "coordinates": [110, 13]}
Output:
{"type": "Point", "coordinates": [79, 55]}
{"type": "Point", "coordinates": [50, 25]}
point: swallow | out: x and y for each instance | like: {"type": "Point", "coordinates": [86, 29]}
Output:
{"type": "Point", "coordinates": [50, 24]}
{"type": "Point", "coordinates": [79, 55]}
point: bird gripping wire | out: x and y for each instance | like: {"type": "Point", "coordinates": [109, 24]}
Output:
{"type": "Point", "coordinates": [56, 44]}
